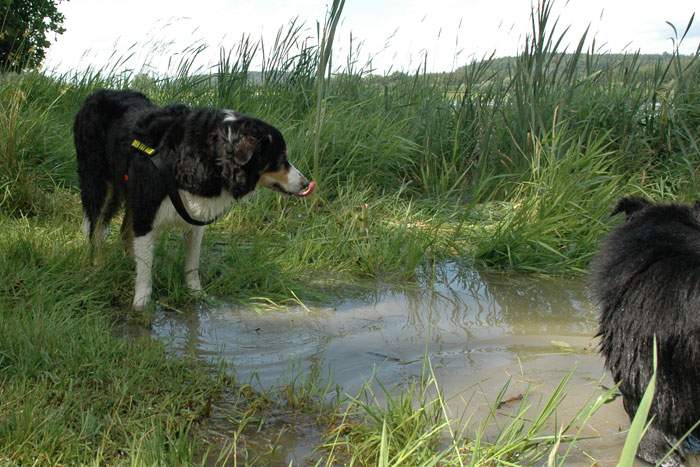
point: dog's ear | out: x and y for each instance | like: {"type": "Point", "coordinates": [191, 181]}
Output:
{"type": "Point", "coordinates": [244, 149]}
{"type": "Point", "coordinates": [239, 147]}
{"type": "Point", "coordinates": [629, 205]}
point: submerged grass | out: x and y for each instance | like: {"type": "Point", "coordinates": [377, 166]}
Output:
{"type": "Point", "coordinates": [509, 164]}
{"type": "Point", "coordinates": [415, 428]}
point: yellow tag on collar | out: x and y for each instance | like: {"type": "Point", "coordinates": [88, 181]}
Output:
{"type": "Point", "coordinates": [142, 147]}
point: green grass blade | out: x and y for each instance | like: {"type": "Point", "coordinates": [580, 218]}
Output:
{"type": "Point", "coordinates": [639, 423]}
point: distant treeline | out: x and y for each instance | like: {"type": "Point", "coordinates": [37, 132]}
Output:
{"type": "Point", "coordinates": [585, 64]}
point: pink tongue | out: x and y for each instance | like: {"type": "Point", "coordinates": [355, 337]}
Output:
{"type": "Point", "coordinates": [309, 189]}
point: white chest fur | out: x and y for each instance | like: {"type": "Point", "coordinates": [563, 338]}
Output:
{"type": "Point", "coordinates": [198, 207]}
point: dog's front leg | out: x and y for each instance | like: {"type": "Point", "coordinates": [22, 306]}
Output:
{"type": "Point", "coordinates": [143, 254]}
{"type": "Point", "coordinates": [194, 248]}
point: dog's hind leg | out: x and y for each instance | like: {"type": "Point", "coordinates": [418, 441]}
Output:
{"type": "Point", "coordinates": [111, 205]}
{"type": "Point", "coordinates": [194, 249]}
{"type": "Point", "coordinates": [127, 232]}
{"type": "Point", "coordinates": [93, 170]}
{"type": "Point", "coordinates": [143, 247]}
{"type": "Point", "coordinates": [94, 195]}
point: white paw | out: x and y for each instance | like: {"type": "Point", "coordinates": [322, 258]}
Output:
{"type": "Point", "coordinates": [192, 280]}
{"type": "Point", "coordinates": [86, 226]}
{"type": "Point", "coordinates": [141, 301]}
{"type": "Point", "coordinates": [194, 284]}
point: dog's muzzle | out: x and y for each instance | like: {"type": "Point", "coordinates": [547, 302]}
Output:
{"type": "Point", "coordinates": [288, 181]}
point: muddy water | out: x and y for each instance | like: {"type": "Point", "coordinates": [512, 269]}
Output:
{"type": "Point", "coordinates": [479, 331]}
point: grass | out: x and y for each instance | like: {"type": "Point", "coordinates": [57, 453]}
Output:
{"type": "Point", "coordinates": [557, 213]}
{"type": "Point", "coordinates": [639, 423]}
{"type": "Point", "coordinates": [415, 428]}
{"type": "Point", "coordinates": [506, 167]}
{"type": "Point", "coordinates": [72, 391]}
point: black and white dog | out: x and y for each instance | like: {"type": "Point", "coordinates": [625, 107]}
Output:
{"type": "Point", "coordinates": [171, 165]}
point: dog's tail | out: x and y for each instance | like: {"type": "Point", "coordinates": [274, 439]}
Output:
{"type": "Point", "coordinates": [99, 190]}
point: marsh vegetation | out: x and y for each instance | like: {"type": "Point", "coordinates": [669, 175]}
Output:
{"type": "Point", "coordinates": [507, 166]}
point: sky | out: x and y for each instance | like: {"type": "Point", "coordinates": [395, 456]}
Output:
{"type": "Point", "coordinates": [399, 35]}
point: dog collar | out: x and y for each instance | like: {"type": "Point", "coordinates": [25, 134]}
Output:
{"type": "Point", "coordinates": [170, 183]}
{"type": "Point", "coordinates": [142, 147]}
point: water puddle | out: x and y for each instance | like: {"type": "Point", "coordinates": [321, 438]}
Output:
{"type": "Point", "coordinates": [479, 330]}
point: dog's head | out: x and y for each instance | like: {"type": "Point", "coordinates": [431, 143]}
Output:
{"type": "Point", "coordinates": [630, 205]}
{"type": "Point", "coordinates": [252, 152]}
{"type": "Point", "coordinates": [635, 207]}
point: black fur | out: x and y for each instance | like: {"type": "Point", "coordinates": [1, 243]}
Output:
{"type": "Point", "coordinates": [213, 156]}
{"type": "Point", "coordinates": [193, 141]}
{"type": "Point", "coordinates": [646, 279]}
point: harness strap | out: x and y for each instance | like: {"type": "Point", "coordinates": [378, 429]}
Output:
{"type": "Point", "coordinates": [170, 183]}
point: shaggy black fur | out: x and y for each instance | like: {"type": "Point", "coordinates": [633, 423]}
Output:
{"type": "Point", "coordinates": [646, 278]}
{"type": "Point", "coordinates": [195, 144]}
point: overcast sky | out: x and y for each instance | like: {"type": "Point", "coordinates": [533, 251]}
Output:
{"type": "Point", "coordinates": [397, 33]}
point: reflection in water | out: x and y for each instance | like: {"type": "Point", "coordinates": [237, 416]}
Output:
{"type": "Point", "coordinates": [479, 330]}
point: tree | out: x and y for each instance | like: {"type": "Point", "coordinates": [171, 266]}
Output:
{"type": "Point", "coordinates": [24, 25]}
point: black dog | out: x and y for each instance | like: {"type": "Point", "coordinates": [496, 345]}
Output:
{"type": "Point", "coordinates": [171, 165]}
{"type": "Point", "coordinates": [647, 280]}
